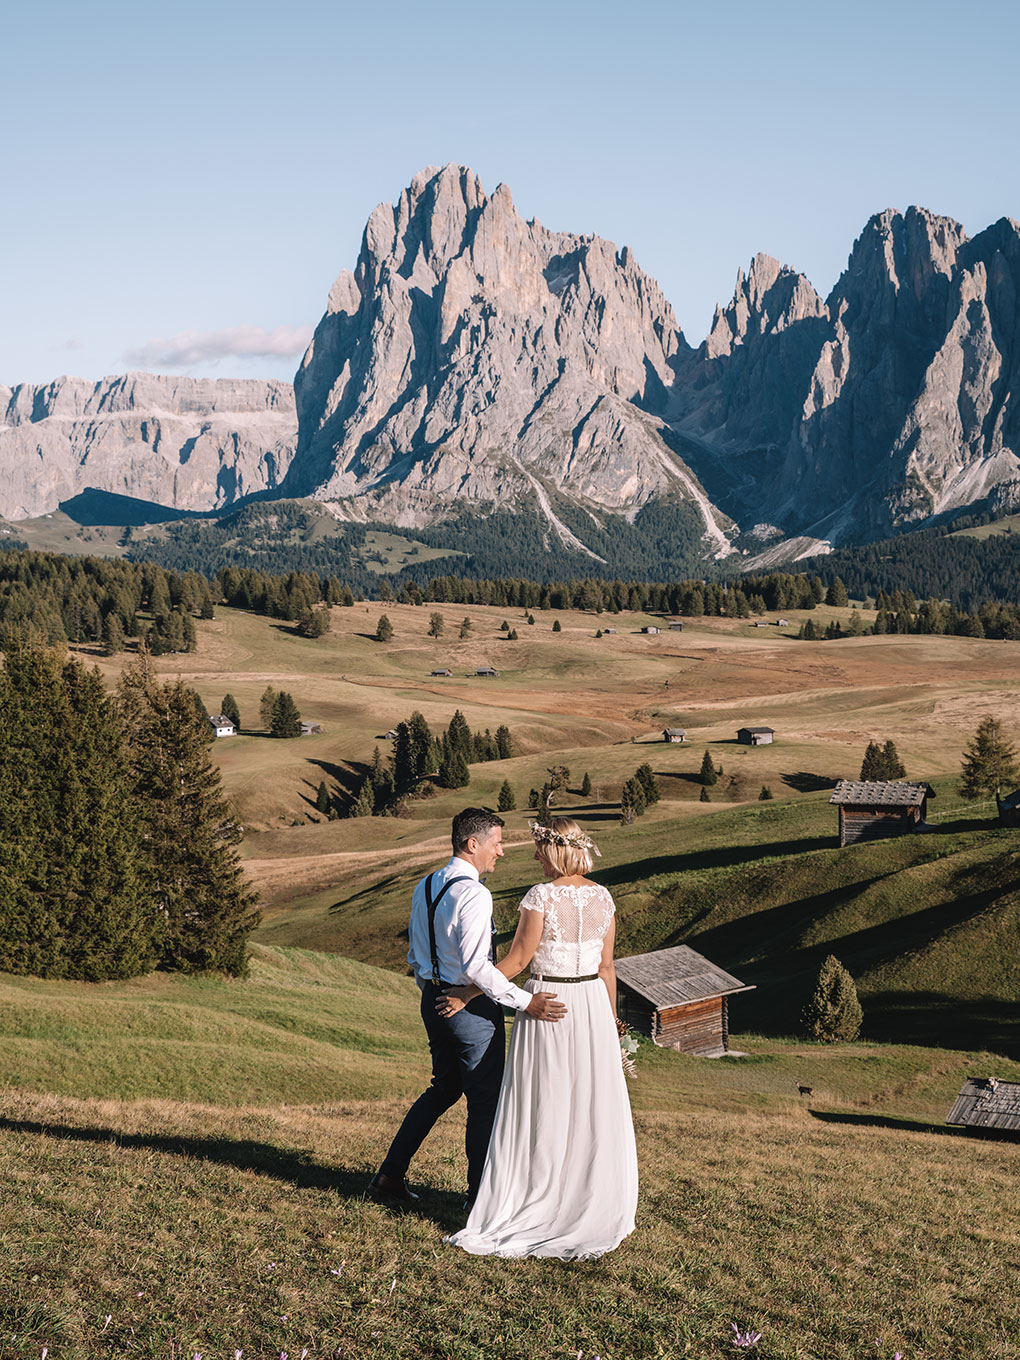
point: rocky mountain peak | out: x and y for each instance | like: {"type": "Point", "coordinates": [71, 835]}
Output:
{"type": "Point", "coordinates": [474, 353]}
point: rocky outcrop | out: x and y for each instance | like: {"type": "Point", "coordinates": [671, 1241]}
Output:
{"type": "Point", "coordinates": [887, 405]}
{"type": "Point", "coordinates": [187, 443]}
{"type": "Point", "coordinates": [475, 358]}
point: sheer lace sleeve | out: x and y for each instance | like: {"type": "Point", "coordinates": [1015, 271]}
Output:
{"type": "Point", "coordinates": [532, 900]}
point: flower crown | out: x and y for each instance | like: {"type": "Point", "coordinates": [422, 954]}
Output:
{"type": "Point", "coordinates": [576, 840]}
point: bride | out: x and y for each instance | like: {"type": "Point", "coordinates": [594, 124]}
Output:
{"type": "Point", "coordinates": [560, 1177]}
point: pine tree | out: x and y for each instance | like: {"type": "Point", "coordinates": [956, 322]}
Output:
{"type": "Point", "coordinates": [266, 707]}
{"type": "Point", "coordinates": [633, 797]}
{"type": "Point", "coordinates": [229, 709]}
{"type": "Point", "coordinates": [383, 629]}
{"type": "Point", "coordinates": [504, 743]}
{"type": "Point", "coordinates": [113, 634]}
{"type": "Point", "coordinates": [436, 624]}
{"type": "Point", "coordinates": [192, 870]}
{"type": "Point", "coordinates": [322, 799]}
{"type": "Point", "coordinates": [836, 594]}
{"type": "Point", "coordinates": [766, 794]}
{"type": "Point", "coordinates": [286, 720]}
{"type": "Point", "coordinates": [512, 635]}
{"type": "Point", "coordinates": [834, 1011]}
{"type": "Point", "coordinates": [364, 804]}
{"type": "Point", "coordinates": [989, 762]}
{"type": "Point", "coordinates": [72, 891]}
{"type": "Point", "coordinates": [465, 628]}
{"type": "Point", "coordinates": [506, 802]}
{"type": "Point", "coordinates": [703, 796]}
{"type": "Point", "coordinates": [872, 762]}
{"type": "Point", "coordinates": [808, 631]}
{"type": "Point", "coordinates": [504, 627]}
{"type": "Point", "coordinates": [708, 771]}
{"type": "Point", "coordinates": [586, 785]}
{"type": "Point", "coordinates": [646, 778]}
{"type": "Point", "coordinates": [891, 763]}
{"type": "Point", "coordinates": [556, 626]}
{"type": "Point", "coordinates": [459, 735]}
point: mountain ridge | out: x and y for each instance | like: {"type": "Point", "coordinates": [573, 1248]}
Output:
{"type": "Point", "coordinates": [473, 362]}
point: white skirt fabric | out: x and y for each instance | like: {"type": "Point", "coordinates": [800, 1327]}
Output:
{"type": "Point", "coordinates": [560, 1177]}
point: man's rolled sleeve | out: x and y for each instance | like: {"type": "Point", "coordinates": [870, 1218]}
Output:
{"type": "Point", "coordinates": [475, 909]}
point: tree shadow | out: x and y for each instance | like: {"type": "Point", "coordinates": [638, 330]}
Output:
{"type": "Point", "coordinates": [348, 778]}
{"type": "Point", "coordinates": [805, 782]}
{"type": "Point", "coordinates": [290, 1167]}
{"type": "Point", "coordinates": [883, 1121]}
{"type": "Point", "coordinates": [718, 857]}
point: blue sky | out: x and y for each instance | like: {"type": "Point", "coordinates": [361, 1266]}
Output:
{"type": "Point", "coordinates": [183, 183]}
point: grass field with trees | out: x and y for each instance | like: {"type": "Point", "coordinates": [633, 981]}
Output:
{"type": "Point", "coordinates": [183, 1157]}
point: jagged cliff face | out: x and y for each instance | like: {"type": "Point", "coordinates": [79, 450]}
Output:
{"type": "Point", "coordinates": [476, 357]}
{"type": "Point", "coordinates": [477, 360]}
{"type": "Point", "coordinates": [887, 404]}
{"type": "Point", "coordinates": [188, 443]}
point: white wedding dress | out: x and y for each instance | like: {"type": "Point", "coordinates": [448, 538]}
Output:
{"type": "Point", "coordinates": [560, 1177]}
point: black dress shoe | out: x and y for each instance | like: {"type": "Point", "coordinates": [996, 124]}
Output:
{"type": "Point", "coordinates": [388, 1190]}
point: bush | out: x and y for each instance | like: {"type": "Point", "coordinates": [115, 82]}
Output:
{"type": "Point", "coordinates": [834, 1012]}
{"type": "Point", "coordinates": [766, 794]}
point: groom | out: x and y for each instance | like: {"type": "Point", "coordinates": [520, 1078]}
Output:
{"type": "Point", "coordinates": [452, 944]}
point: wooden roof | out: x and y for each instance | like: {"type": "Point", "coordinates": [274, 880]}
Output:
{"type": "Point", "coordinates": [880, 793]}
{"type": "Point", "coordinates": [984, 1103]}
{"type": "Point", "coordinates": [676, 731]}
{"type": "Point", "coordinates": [756, 729]}
{"type": "Point", "coordinates": [672, 977]}
{"type": "Point", "coordinates": [1011, 800]}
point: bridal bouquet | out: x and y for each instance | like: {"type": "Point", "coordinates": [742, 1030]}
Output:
{"type": "Point", "coordinates": [628, 1047]}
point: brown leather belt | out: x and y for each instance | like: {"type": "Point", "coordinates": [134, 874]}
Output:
{"type": "Point", "coordinates": [547, 977]}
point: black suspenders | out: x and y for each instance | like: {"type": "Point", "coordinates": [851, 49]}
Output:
{"type": "Point", "coordinates": [432, 903]}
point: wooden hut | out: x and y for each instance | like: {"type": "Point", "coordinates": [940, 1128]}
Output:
{"type": "Point", "coordinates": [309, 728]}
{"type": "Point", "coordinates": [985, 1103]}
{"type": "Point", "coordinates": [650, 628]}
{"type": "Point", "coordinates": [1009, 808]}
{"type": "Point", "coordinates": [222, 726]}
{"type": "Point", "coordinates": [678, 998]}
{"type": "Point", "coordinates": [676, 627]}
{"type": "Point", "coordinates": [486, 670]}
{"type": "Point", "coordinates": [869, 808]}
{"type": "Point", "coordinates": [674, 734]}
{"type": "Point", "coordinates": [442, 672]}
{"type": "Point", "coordinates": [756, 736]}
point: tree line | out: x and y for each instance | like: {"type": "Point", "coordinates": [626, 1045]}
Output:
{"type": "Point", "coordinates": [117, 846]}
{"type": "Point", "coordinates": [97, 599]}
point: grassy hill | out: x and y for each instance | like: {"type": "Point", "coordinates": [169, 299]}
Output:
{"type": "Point", "coordinates": [182, 1162]}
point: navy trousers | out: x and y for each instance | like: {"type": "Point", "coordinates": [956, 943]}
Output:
{"type": "Point", "coordinates": [468, 1051]}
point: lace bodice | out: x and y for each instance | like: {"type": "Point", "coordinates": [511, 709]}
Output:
{"type": "Point", "coordinates": [576, 921]}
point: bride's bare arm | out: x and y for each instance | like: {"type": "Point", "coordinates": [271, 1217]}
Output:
{"type": "Point", "coordinates": [607, 970]}
{"type": "Point", "coordinates": [518, 956]}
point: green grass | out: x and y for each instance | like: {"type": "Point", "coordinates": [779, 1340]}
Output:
{"type": "Point", "coordinates": [221, 1212]}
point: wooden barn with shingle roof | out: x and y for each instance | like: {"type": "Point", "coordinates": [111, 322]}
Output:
{"type": "Point", "coordinates": [985, 1103]}
{"type": "Point", "coordinates": [678, 998]}
{"type": "Point", "coordinates": [869, 808]}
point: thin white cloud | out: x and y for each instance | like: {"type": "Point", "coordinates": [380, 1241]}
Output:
{"type": "Point", "coordinates": [189, 348]}
{"type": "Point", "coordinates": [74, 343]}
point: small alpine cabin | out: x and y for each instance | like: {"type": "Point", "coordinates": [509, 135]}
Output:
{"type": "Point", "coordinates": [674, 734]}
{"type": "Point", "coordinates": [223, 727]}
{"type": "Point", "coordinates": [985, 1103]}
{"type": "Point", "coordinates": [679, 999]}
{"type": "Point", "coordinates": [1009, 808]}
{"type": "Point", "coordinates": [871, 808]}
{"type": "Point", "coordinates": [486, 670]}
{"type": "Point", "coordinates": [442, 672]}
{"type": "Point", "coordinates": [650, 628]}
{"type": "Point", "coordinates": [756, 736]}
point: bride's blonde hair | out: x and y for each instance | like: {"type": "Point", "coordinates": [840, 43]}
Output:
{"type": "Point", "coordinates": [564, 859]}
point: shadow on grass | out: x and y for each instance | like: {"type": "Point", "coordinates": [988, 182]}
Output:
{"type": "Point", "coordinates": [804, 782]}
{"type": "Point", "coordinates": [883, 1121]}
{"type": "Point", "coordinates": [718, 857]}
{"type": "Point", "coordinates": [289, 1167]}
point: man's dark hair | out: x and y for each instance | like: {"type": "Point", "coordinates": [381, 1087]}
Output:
{"type": "Point", "coordinates": [473, 822]}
